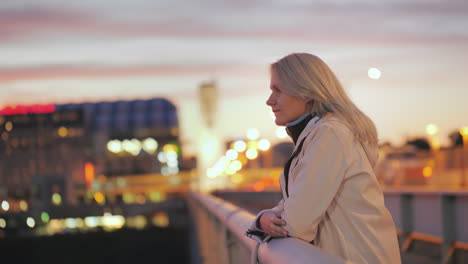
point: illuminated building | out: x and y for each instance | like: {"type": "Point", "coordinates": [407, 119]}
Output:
{"type": "Point", "coordinates": [63, 148]}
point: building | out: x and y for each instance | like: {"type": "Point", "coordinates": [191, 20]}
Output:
{"type": "Point", "coordinates": [64, 148]}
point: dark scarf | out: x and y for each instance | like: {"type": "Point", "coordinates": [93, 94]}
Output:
{"type": "Point", "coordinates": [294, 131]}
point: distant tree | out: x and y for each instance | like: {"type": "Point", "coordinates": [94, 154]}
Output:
{"type": "Point", "coordinates": [420, 144]}
{"type": "Point", "coordinates": [456, 139]}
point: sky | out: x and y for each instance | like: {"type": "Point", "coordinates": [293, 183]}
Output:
{"type": "Point", "coordinates": [56, 51]}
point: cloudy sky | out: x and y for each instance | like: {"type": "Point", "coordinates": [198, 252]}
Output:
{"type": "Point", "coordinates": [56, 51]}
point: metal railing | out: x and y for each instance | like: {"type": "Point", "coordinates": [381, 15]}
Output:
{"type": "Point", "coordinates": [220, 229]}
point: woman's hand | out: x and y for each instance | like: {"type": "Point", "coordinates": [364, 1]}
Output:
{"type": "Point", "coordinates": [272, 224]}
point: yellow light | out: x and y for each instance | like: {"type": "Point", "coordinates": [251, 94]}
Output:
{"type": "Point", "coordinates": [436, 143]}
{"type": "Point", "coordinates": [136, 147]}
{"type": "Point", "coordinates": [281, 132]}
{"type": "Point", "coordinates": [170, 147]}
{"type": "Point", "coordinates": [258, 186]}
{"type": "Point", "coordinates": [5, 205]}
{"type": "Point", "coordinates": [431, 129]}
{"type": "Point", "coordinates": [140, 198]}
{"type": "Point", "coordinates": [8, 126]}
{"type": "Point", "coordinates": [240, 145]}
{"type": "Point", "coordinates": [150, 145]}
{"type": "Point", "coordinates": [2, 223]}
{"type": "Point", "coordinates": [427, 172]}
{"type": "Point", "coordinates": [99, 197]}
{"type": "Point", "coordinates": [252, 145]}
{"type": "Point", "coordinates": [264, 144]}
{"type": "Point", "coordinates": [30, 222]}
{"type": "Point", "coordinates": [253, 134]}
{"type": "Point", "coordinates": [160, 220]}
{"type": "Point", "coordinates": [231, 154]}
{"type": "Point", "coordinates": [237, 178]}
{"type": "Point", "coordinates": [155, 196]}
{"type": "Point", "coordinates": [91, 221]}
{"type": "Point", "coordinates": [56, 199]}
{"type": "Point", "coordinates": [374, 73]}
{"type": "Point", "coordinates": [464, 131]}
{"type": "Point", "coordinates": [70, 223]}
{"type": "Point", "coordinates": [114, 146]}
{"type": "Point", "coordinates": [230, 171]}
{"type": "Point", "coordinates": [62, 131]}
{"type": "Point", "coordinates": [128, 198]}
{"type": "Point", "coordinates": [211, 173]}
{"type": "Point", "coordinates": [23, 205]}
{"type": "Point", "coordinates": [251, 154]}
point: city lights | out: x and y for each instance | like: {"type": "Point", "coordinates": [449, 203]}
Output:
{"type": "Point", "coordinates": [251, 154]}
{"type": "Point", "coordinates": [427, 172]}
{"type": "Point", "coordinates": [30, 222]}
{"type": "Point", "coordinates": [3, 223]}
{"type": "Point", "coordinates": [23, 205]}
{"type": "Point", "coordinates": [62, 131]}
{"type": "Point", "coordinates": [45, 217]}
{"type": "Point", "coordinates": [240, 146]}
{"type": "Point", "coordinates": [231, 154]}
{"type": "Point", "coordinates": [8, 126]}
{"type": "Point", "coordinates": [253, 134]}
{"type": "Point", "coordinates": [114, 146]}
{"type": "Point", "coordinates": [264, 144]}
{"type": "Point", "coordinates": [56, 199]}
{"type": "Point", "coordinates": [5, 205]}
{"type": "Point", "coordinates": [374, 73]}
{"type": "Point", "coordinates": [150, 145]}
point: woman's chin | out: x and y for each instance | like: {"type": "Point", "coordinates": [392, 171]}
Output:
{"type": "Point", "coordinates": [279, 122]}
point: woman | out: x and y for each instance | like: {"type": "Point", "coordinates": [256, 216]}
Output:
{"type": "Point", "coordinates": [331, 196]}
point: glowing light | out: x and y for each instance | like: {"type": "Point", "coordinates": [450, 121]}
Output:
{"type": "Point", "coordinates": [140, 198]}
{"type": "Point", "coordinates": [91, 221]}
{"type": "Point", "coordinates": [30, 222]}
{"type": "Point", "coordinates": [45, 217]}
{"type": "Point", "coordinates": [114, 146]}
{"type": "Point", "coordinates": [171, 155]}
{"type": "Point", "coordinates": [62, 131]}
{"type": "Point", "coordinates": [165, 171]}
{"type": "Point", "coordinates": [2, 223]}
{"type": "Point", "coordinates": [464, 131]}
{"type": "Point", "coordinates": [150, 145]}
{"type": "Point", "coordinates": [281, 132]}
{"type": "Point", "coordinates": [235, 165]}
{"type": "Point", "coordinates": [162, 157]}
{"type": "Point", "coordinates": [155, 196]}
{"type": "Point", "coordinates": [136, 148]}
{"type": "Point", "coordinates": [173, 170]}
{"type": "Point", "coordinates": [240, 145]}
{"type": "Point", "coordinates": [252, 145]}
{"type": "Point", "coordinates": [251, 154]}
{"type": "Point", "coordinates": [264, 144]}
{"type": "Point", "coordinates": [113, 221]}
{"type": "Point", "coordinates": [427, 172]}
{"type": "Point", "coordinates": [432, 129]}
{"type": "Point", "coordinates": [258, 187]}
{"type": "Point", "coordinates": [374, 73]}
{"type": "Point", "coordinates": [89, 173]}
{"type": "Point", "coordinates": [174, 180]}
{"type": "Point", "coordinates": [99, 197]}
{"type": "Point", "coordinates": [231, 154]}
{"type": "Point", "coordinates": [56, 199]}
{"type": "Point", "coordinates": [435, 143]}
{"type": "Point", "coordinates": [8, 126]}
{"type": "Point", "coordinates": [70, 223]}
{"type": "Point", "coordinates": [5, 205]}
{"type": "Point", "coordinates": [170, 147]}
{"type": "Point", "coordinates": [172, 163]}
{"type": "Point", "coordinates": [211, 173]}
{"type": "Point", "coordinates": [253, 134]}
{"type": "Point", "coordinates": [160, 220]}
{"type": "Point", "coordinates": [128, 198]}
{"type": "Point", "coordinates": [237, 178]}
{"type": "Point", "coordinates": [23, 205]}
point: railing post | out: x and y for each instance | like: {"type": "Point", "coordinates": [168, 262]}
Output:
{"type": "Point", "coordinates": [449, 224]}
{"type": "Point", "coordinates": [406, 206]}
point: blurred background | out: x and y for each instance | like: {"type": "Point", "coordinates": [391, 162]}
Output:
{"type": "Point", "coordinates": [111, 111]}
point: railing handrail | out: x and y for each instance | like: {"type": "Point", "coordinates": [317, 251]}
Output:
{"type": "Point", "coordinates": [285, 250]}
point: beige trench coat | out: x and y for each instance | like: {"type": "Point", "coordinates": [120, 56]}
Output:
{"type": "Point", "coordinates": [335, 198]}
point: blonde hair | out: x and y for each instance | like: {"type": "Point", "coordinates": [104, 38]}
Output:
{"type": "Point", "coordinates": [306, 76]}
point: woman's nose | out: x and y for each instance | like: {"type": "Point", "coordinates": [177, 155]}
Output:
{"type": "Point", "coordinates": [270, 100]}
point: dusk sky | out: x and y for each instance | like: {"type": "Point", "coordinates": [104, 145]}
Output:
{"type": "Point", "coordinates": [56, 51]}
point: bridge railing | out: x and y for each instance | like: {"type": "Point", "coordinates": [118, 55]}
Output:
{"type": "Point", "coordinates": [220, 230]}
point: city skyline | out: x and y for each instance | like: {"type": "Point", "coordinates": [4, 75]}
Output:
{"type": "Point", "coordinates": [56, 52]}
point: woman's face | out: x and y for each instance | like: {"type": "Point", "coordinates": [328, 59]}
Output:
{"type": "Point", "coordinates": [286, 108]}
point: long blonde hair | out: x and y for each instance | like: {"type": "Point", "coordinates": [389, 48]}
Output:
{"type": "Point", "coordinates": [306, 76]}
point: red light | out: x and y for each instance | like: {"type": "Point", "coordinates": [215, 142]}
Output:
{"type": "Point", "coordinates": [27, 109]}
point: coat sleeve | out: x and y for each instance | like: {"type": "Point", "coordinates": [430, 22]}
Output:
{"type": "Point", "coordinates": [314, 182]}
